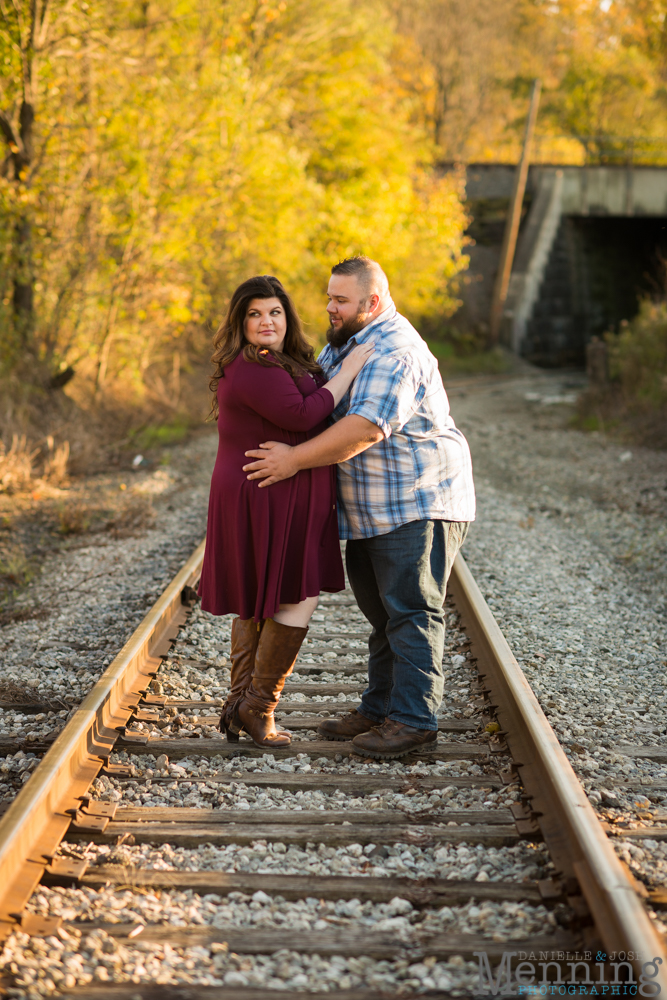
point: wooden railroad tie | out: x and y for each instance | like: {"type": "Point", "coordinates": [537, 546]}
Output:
{"type": "Point", "coordinates": [336, 941]}
{"type": "Point", "coordinates": [179, 748]}
{"type": "Point", "coordinates": [428, 892]}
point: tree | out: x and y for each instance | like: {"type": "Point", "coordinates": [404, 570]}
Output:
{"type": "Point", "coordinates": [180, 147]}
{"type": "Point", "coordinates": [469, 46]}
{"type": "Point", "coordinates": [24, 30]}
{"type": "Point", "coordinates": [610, 90]}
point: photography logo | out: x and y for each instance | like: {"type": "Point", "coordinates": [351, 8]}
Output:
{"type": "Point", "coordinates": [559, 973]}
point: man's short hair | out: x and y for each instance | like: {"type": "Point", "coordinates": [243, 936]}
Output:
{"type": "Point", "coordinates": [368, 273]}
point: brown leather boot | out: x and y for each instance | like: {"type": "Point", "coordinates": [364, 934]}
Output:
{"type": "Point", "coordinates": [346, 727]}
{"type": "Point", "coordinates": [245, 637]}
{"type": "Point", "coordinates": [393, 739]}
{"type": "Point", "coordinates": [276, 653]}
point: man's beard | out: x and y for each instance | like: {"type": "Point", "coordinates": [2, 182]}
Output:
{"type": "Point", "coordinates": [339, 336]}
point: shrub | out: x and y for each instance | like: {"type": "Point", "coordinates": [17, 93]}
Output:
{"type": "Point", "coordinates": [638, 357]}
{"type": "Point", "coordinates": [633, 405]}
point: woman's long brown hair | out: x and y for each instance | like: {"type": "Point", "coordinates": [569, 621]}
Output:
{"type": "Point", "coordinates": [297, 356]}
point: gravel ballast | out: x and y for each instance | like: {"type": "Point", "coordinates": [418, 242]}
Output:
{"type": "Point", "coordinates": [568, 549]}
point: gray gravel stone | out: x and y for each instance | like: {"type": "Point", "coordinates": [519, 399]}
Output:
{"type": "Point", "coordinates": [569, 550]}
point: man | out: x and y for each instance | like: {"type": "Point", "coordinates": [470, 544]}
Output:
{"type": "Point", "coordinates": [406, 496]}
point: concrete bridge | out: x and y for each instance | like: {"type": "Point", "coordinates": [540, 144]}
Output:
{"type": "Point", "coordinates": [593, 241]}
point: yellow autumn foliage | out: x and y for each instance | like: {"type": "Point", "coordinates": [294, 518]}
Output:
{"type": "Point", "coordinates": [181, 147]}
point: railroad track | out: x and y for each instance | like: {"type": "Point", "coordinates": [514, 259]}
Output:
{"type": "Point", "coordinates": [146, 857]}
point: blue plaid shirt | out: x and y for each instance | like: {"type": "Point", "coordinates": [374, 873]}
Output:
{"type": "Point", "coordinates": [422, 468]}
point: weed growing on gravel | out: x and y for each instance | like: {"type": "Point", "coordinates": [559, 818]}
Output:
{"type": "Point", "coordinates": [40, 524]}
{"type": "Point", "coordinates": [11, 615]}
{"type": "Point", "coordinates": [135, 514]}
{"type": "Point", "coordinates": [15, 569]}
{"type": "Point", "coordinates": [74, 518]}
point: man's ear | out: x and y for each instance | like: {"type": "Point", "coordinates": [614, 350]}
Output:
{"type": "Point", "coordinates": [373, 302]}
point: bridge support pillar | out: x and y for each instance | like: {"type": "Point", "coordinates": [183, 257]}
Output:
{"type": "Point", "coordinates": [537, 240]}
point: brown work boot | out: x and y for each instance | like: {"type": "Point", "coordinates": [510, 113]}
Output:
{"type": "Point", "coordinates": [276, 653]}
{"type": "Point", "coordinates": [393, 739]}
{"type": "Point", "coordinates": [346, 727]}
{"type": "Point", "coordinates": [245, 637]}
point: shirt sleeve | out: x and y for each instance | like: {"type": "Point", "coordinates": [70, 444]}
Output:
{"type": "Point", "coordinates": [272, 392]}
{"type": "Point", "coordinates": [387, 392]}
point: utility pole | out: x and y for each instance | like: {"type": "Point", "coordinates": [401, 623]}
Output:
{"type": "Point", "coordinates": [513, 219]}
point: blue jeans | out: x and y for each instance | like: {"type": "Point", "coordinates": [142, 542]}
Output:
{"type": "Point", "coordinates": [400, 580]}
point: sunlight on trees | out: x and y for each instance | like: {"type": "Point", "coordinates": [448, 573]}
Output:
{"type": "Point", "coordinates": [156, 154]}
{"type": "Point", "coordinates": [179, 147]}
{"type": "Point", "coordinates": [602, 63]}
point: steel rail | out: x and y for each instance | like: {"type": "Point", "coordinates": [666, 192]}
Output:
{"type": "Point", "coordinates": [577, 843]}
{"type": "Point", "coordinates": [39, 816]}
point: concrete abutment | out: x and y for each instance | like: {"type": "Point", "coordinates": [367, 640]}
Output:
{"type": "Point", "coordinates": [593, 242]}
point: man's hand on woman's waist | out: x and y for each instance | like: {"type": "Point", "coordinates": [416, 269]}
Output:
{"type": "Point", "coordinates": [276, 461]}
{"type": "Point", "coordinates": [343, 440]}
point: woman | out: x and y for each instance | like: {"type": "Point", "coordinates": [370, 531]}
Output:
{"type": "Point", "coordinates": [269, 552]}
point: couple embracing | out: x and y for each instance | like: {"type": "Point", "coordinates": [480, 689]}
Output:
{"type": "Point", "coordinates": [356, 445]}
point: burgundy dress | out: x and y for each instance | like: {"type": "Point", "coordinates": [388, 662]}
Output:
{"type": "Point", "coordinates": [279, 544]}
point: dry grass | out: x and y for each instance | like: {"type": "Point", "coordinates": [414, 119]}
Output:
{"type": "Point", "coordinates": [55, 436]}
{"type": "Point", "coordinates": [132, 514]}
{"type": "Point", "coordinates": [15, 569]}
{"type": "Point", "coordinates": [135, 514]}
{"type": "Point", "coordinates": [60, 466]}
{"type": "Point", "coordinates": [19, 464]}
{"type": "Point", "coordinates": [13, 693]}
{"type": "Point", "coordinates": [16, 463]}
{"type": "Point", "coordinates": [11, 615]}
{"type": "Point", "coordinates": [56, 462]}
{"type": "Point", "coordinates": [609, 411]}
{"type": "Point", "coordinates": [74, 518]}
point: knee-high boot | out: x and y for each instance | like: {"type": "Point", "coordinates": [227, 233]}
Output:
{"type": "Point", "coordinates": [274, 660]}
{"type": "Point", "coordinates": [245, 638]}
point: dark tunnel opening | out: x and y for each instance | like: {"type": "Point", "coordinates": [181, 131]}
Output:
{"type": "Point", "coordinates": [599, 269]}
